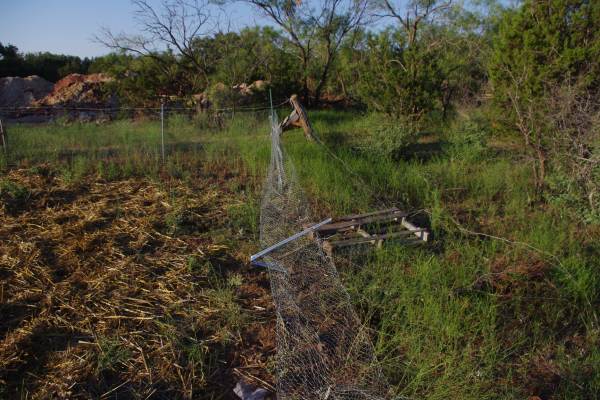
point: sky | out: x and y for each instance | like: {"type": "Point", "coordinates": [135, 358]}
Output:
{"type": "Point", "coordinates": [68, 26]}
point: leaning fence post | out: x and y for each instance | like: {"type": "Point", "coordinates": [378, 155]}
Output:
{"type": "Point", "coordinates": [162, 128]}
{"type": "Point", "coordinates": [304, 121]}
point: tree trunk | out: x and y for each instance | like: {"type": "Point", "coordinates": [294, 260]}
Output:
{"type": "Point", "coordinates": [305, 91]}
{"type": "Point", "coordinates": [322, 81]}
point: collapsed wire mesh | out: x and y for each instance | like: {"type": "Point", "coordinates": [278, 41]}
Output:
{"type": "Point", "coordinates": [323, 350]}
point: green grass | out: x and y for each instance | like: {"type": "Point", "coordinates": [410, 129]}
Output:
{"type": "Point", "coordinates": [112, 353]}
{"type": "Point", "coordinates": [508, 315]}
{"type": "Point", "coordinates": [440, 335]}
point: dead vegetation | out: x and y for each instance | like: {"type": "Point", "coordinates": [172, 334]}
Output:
{"type": "Point", "coordinates": [126, 289]}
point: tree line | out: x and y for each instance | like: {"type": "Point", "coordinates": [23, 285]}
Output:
{"type": "Point", "coordinates": [51, 67]}
{"type": "Point", "coordinates": [533, 68]}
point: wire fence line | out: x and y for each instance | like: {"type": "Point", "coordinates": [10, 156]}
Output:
{"type": "Point", "coordinates": [323, 350]}
{"type": "Point", "coordinates": [18, 141]}
{"type": "Point", "coordinates": [255, 107]}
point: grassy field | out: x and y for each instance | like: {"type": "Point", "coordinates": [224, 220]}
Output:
{"type": "Point", "coordinates": [127, 277]}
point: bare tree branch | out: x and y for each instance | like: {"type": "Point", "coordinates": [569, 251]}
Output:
{"type": "Point", "coordinates": [415, 13]}
{"type": "Point", "coordinates": [176, 24]}
{"type": "Point", "coordinates": [328, 25]}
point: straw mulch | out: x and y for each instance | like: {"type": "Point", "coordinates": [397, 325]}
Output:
{"type": "Point", "coordinates": [127, 289]}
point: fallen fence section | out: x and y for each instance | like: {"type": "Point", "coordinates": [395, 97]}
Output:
{"type": "Point", "coordinates": [323, 350]}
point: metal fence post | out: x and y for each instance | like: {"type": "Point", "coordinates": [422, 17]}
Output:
{"type": "Point", "coordinates": [162, 129]}
{"type": "Point", "coordinates": [271, 102]}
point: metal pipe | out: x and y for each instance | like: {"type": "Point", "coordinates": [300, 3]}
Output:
{"type": "Point", "coordinates": [298, 235]}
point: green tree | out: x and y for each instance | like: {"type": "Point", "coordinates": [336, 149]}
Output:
{"type": "Point", "coordinates": [47, 65]}
{"type": "Point", "coordinates": [141, 80]}
{"type": "Point", "coordinates": [315, 35]}
{"type": "Point", "coordinates": [397, 79]}
{"type": "Point", "coordinates": [255, 54]}
{"type": "Point", "coordinates": [541, 47]}
{"type": "Point", "coordinates": [401, 73]}
{"type": "Point", "coordinates": [11, 62]}
{"type": "Point", "coordinates": [176, 24]}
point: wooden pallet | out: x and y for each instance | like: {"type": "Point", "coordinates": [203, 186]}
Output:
{"type": "Point", "coordinates": [370, 229]}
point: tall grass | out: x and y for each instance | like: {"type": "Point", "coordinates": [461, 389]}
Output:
{"type": "Point", "coordinates": [472, 316]}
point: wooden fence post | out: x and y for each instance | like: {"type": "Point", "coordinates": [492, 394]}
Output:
{"type": "Point", "coordinates": [3, 136]}
{"type": "Point", "coordinates": [302, 118]}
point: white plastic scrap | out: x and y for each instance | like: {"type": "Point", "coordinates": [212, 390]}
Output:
{"type": "Point", "coordinates": [247, 392]}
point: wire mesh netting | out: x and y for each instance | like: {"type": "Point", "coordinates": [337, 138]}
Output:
{"type": "Point", "coordinates": [323, 350]}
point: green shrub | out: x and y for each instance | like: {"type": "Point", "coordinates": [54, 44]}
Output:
{"type": "Point", "coordinates": [468, 139]}
{"type": "Point", "coordinates": [544, 73]}
{"type": "Point", "coordinates": [399, 79]}
{"type": "Point", "coordinates": [391, 136]}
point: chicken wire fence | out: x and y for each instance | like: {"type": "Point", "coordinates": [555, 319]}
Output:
{"type": "Point", "coordinates": [323, 350]}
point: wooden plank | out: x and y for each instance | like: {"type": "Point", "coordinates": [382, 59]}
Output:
{"type": "Point", "coordinates": [363, 233]}
{"type": "Point", "coordinates": [358, 216]}
{"type": "Point", "coordinates": [344, 225]}
{"type": "Point", "coordinates": [420, 233]}
{"type": "Point", "coordinates": [374, 239]}
{"type": "Point", "coordinates": [291, 121]}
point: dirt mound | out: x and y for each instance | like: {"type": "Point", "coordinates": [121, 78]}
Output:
{"type": "Point", "coordinates": [23, 92]}
{"type": "Point", "coordinates": [80, 90]}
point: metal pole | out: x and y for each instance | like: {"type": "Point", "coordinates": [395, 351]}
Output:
{"type": "Point", "coordinates": [271, 101]}
{"type": "Point", "coordinates": [162, 128]}
{"type": "Point", "coordinates": [298, 235]}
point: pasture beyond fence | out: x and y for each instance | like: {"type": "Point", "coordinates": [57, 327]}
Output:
{"type": "Point", "coordinates": [151, 132]}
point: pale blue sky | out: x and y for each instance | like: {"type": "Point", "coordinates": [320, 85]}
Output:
{"type": "Point", "coordinates": [67, 26]}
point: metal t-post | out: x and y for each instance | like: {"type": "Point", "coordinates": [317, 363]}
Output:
{"type": "Point", "coordinates": [271, 101]}
{"type": "Point", "coordinates": [162, 128]}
